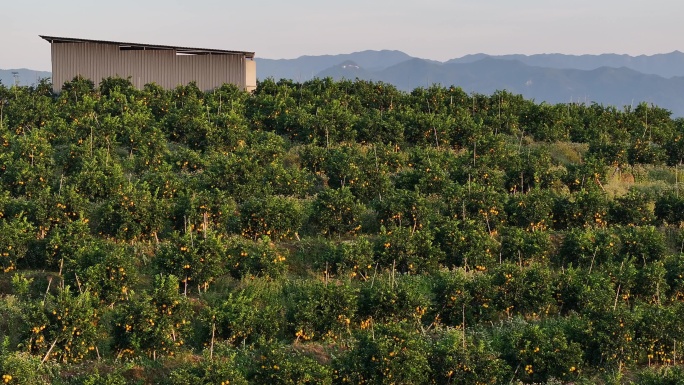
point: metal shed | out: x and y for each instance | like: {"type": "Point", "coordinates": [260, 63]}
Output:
{"type": "Point", "coordinates": [167, 66]}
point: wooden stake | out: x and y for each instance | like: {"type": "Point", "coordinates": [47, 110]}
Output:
{"type": "Point", "coordinates": [48, 352]}
{"type": "Point", "coordinates": [213, 332]}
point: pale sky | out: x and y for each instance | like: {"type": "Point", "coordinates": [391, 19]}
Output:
{"type": "Point", "coordinates": [429, 29]}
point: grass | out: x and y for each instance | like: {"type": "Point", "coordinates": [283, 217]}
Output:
{"type": "Point", "coordinates": [566, 153]}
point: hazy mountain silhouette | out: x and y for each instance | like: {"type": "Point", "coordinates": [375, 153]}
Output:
{"type": "Point", "coordinates": [604, 85]}
{"type": "Point", "coordinates": [307, 67]}
{"type": "Point", "coordinates": [666, 65]}
{"type": "Point", "coordinates": [346, 70]}
{"type": "Point", "coordinates": [25, 76]}
{"type": "Point", "coordinates": [554, 78]}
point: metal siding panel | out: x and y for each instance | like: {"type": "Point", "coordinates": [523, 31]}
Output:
{"type": "Point", "coordinates": [163, 67]}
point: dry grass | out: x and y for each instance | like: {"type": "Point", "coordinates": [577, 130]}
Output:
{"type": "Point", "coordinates": [649, 179]}
{"type": "Point", "coordinates": [566, 153]}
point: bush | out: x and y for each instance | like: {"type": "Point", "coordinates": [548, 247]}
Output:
{"type": "Point", "coordinates": [222, 370]}
{"type": "Point", "coordinates": [669, 375]}
{"type": "Point", "coordinates": [526, 291]}
{"type": "Point", "coordinates": [256, 258]}
{"type": "Point", "coordinates": [19, 368]}
{"type": "Point", "coordinates": [353, 258]}
{"type": "Point", "coordinates": [153, 324]}
{"type": "Point", "coordinates": [392, 353]}
{"type": "Point", "coordinates": [196, 258]}
{"type": "Point", "coordinates": [274, 363]}
{"type": "Point", "coordinates": [387, 298]}
{"type": "Point", "coordinates": [317, 310]}
{"type": "Point", "coordinates": [336, 212]}
{"type": "Point", "coordinates": [276, 217]}
{"type": "Point", "coordinates": [540, 351]}
{"type": "Point", "coordinates": [408, 251]}
{"type": "Point", "coordinates": [247, 314]}
{"type": "Point", "coordinates": [14, 243]}
{"type": "Point", "coordinates": [464, 359]}
{"type": "Point", "coordinates": [66, 328]}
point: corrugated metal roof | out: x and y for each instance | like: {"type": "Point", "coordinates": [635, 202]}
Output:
{"type": "Point", "coordinates": [125, 45]}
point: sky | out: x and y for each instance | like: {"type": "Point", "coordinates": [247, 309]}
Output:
{"type": "Point", "coordinates": [276, 29]}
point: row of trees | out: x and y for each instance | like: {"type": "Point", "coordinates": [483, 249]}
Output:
{"type": "Point", "coordinates": [405, 329]}
{"type": "Point", "coordinates": [331, 232]}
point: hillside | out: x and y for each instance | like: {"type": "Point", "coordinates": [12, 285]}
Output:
{"type": "Point", "coordinates": [337, 232]}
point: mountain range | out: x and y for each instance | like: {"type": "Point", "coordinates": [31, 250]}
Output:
{"type": "Point", "coordinates": [608, 79]}
{"type": "Point", "coordinates": [24, 76]}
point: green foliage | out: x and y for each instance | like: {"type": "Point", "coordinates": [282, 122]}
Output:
{"type": "Point", "coordinates": [331, 232]}
{"type": "Point", "coordinates": [589, 247]}
{"type": "Point", "coordinates": [531, 211]}
{"type": "Point", "coordinates": [65, 328]}
{"type": "Point", "coordinates": [644, 243]}
{"type": "Point", "coordinates": [16, 234]}
{"type": "Point", "coordinates": [132, 213]}
{"type": "Point", "coordinates": [318, 310]}
{"type": "Point", "coordinates": [408, 251]}
{"type": "Point", "coordinates": [11, 324]}
{"type": "Point", "coordinates": [585, 208]}
{"type": "Point", "coordinates": [388, 298]}
{"type": "Point", "coordinates": [256, 258]}
{"type": "Point", "coordinates": [633, 209]}
{"type": "Point", "coordinates": [539, 351]}
{"type": "Point", "coordinates": [209, 371]}
{"type": "Point", "coordinates": [522, 245]}
{"type": "Point", "coordinates": [275, 363]}
{"type": "Point", "coordinates": [96, 378]}
{"type": "Point", "coordinates": [669, 208]}
{"type": "Point", "coordinates": [276, 217]}
{"type": "Point", "coordinates": [525, 291]}
{"type": "Point", "coordinates": [248, 314]}
{"type": "Point", "coordinates": [459, 358]}
{"type": "Point", "coordinates": [106, 269]}
{"type": "Point", "coordinates": [336, 212]}
{"type": "Point", "coordinates": [152, 324]}
{"type": "Point", "coordinates": [405, 209]}
{"type": "Point", "coordinates": [354, 258]}
{"type": "Point", "coordinates": [467, 244]}
{"type": "Point", "coordinates": [390, 353]}
{"type": "Point", "coordinates": [194, 257]}
{"type": "Point", "coordinates": [23, 368]}
{"type": "Point", "coordinates": [661, 376]}
{"type": "Point", "coordinates": [203, 210]}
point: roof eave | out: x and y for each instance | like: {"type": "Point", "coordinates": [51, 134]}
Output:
{"type": "Point", "coordinates": [186, 50]}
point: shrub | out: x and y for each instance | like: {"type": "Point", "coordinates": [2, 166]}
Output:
{"type": "Point", "coordinates": [256, 258]}
{"type": "Point", "coordinates": [336, 212]}
{"type": "Point", "coordinates": [317, 310]}
{"type": "Point", "coordinates": [195, 258]}
{"type": "Point", "coordinates": [393, 353]}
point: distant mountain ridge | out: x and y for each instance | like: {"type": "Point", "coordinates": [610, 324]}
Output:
{"type": "Point", "coordinates": [608, 79]}
{"type": "Point", "coordinates": [25, 77]}
{"type": "Point", "coordinates": [666, 65]}
{"type": "Point", "coordinates": [307, 67]}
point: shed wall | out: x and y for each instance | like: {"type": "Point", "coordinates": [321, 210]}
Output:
{"type": "Point", "coordinates": [164, 67]}
{"type": "Point", "coordinates": [250, 75]}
